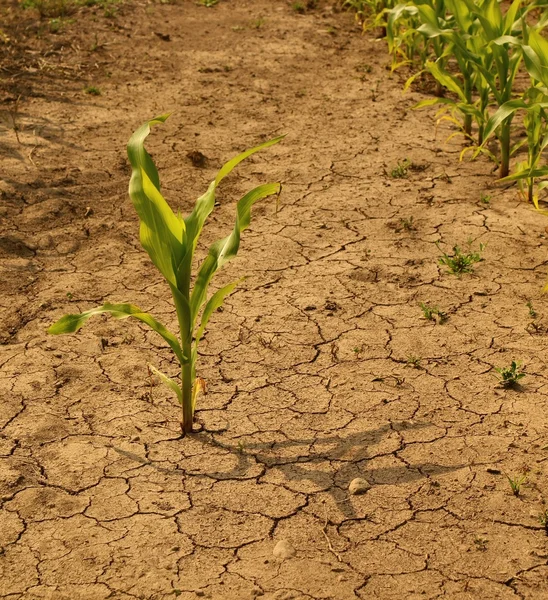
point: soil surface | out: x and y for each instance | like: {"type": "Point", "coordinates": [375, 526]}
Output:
{"type": "Point", "coordinates": [322, 367]}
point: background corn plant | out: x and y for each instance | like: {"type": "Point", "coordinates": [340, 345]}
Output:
{"type": "Point", "coordinates": [475, 50]}
{"type": "Point", "coordinates": [170, 240]}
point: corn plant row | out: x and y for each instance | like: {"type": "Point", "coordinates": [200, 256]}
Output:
{"type": "Point", "coordinates": [475, 50]}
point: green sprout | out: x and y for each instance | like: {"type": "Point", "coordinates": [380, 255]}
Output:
{"type": "Point", "coordinates": [532, 311]}
{"type": "Point", "coordinates": [92, 90]}
{"type": "Point", "coordinates": [171, 240]}
{"type": "Point", "coordinates": [509, 376]}
{"type": "Point", "coordinates": [461, 262]}
{"type": "Point", "coordinates": [431, 312]}
{"type": "Point", "coordinates": [413, 361]}
{"type": "Point", "coordinates": [401, 169]}
{"type": "Point", "coordinates": [516, 482]}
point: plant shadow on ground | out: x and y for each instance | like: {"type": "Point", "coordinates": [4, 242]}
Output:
{"type": "Point", "coordinates": [349, 452]}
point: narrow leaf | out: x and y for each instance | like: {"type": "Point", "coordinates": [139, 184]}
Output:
{"type": "Point", "coordinates": [226, 249]}
{"type": "Point", "coordinates": [231, 164]}
{"type": "Point", "coordinates": [172, 385]}
{"type": "Point", "coordinates": [72, 323]}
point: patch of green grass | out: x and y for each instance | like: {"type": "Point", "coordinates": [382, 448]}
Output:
{"type": "Point", "coordinates": [509, 376]}
{"type": "Point", "coordinates": [92, 90]}
{"type": "Point", "coordinates": [461, 261]}
{"type": "Point", "coordinates": [57, 9]}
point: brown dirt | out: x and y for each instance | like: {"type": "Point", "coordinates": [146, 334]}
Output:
{"type": "Point", "coordinates": [309, 367]}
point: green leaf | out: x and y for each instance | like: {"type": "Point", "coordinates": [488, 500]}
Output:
{"type": "Point", "coordinates": [226, 249]}
{"type": "Point", "coordinates": [72, 323]}
{"type": "Point", "coordinates": [231, 164]}
{"type": "Point", "coordinates": [447, 80]}
{"type": "Point", "coordinates": [505, 111]}
{"type": "Point", "coordinates": [172, 385]}
{"type": "Point", "coordinates": [161, 232]}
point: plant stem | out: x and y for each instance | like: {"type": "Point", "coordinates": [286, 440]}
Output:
{"type": "Point", "coordinates": [505, 148]}
{"type": "Point", "coordinates": [186, 388]}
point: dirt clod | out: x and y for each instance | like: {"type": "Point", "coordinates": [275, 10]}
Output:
{"type": "Point", "coordinates": [358, 486]}
{"type": "Point", "coordinates": [284, 550]}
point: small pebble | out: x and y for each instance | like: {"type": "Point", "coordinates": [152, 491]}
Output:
{"type": "Point", "coordinates": [283, 549]}
{"type": "Point", "coordinates": [358, 486]}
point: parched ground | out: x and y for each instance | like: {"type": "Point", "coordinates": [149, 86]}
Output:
{"type": "Point", "coordinates": [322, 367]}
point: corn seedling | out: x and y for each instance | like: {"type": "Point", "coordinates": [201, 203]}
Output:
{"type": "Point", "coordinates": [461, 262]}
{"type": "Point", "coordinates": [516, 482]}
{"type": "Point", "coordinates": [509, 376]}
{"type": "Point", "coordinates": [170, 240]}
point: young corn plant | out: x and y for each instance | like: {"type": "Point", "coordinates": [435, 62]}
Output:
{"type": "Point", "coordinates": [498, 60]}
{"type": "Point", "coordinates": [170, 240]}
{"type": "Point", "coordinates": [534, 104]}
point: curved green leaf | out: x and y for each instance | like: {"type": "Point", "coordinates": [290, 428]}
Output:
{"type": "Point", "coordinates": [172, 385]}
{"type": "Point", "coordinates": [226, 249]}
{"type": "Point", "coordinates": [161, 232]}
{"type": "Point", "coordinates": [505, 111]}
{"type": "Point", "coordinates": [231, 164]}
{"type": "Point", "coordinates": [72, 323]}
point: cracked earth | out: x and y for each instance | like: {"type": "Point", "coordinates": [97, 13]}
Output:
{"type": "Point", "coordinates": [320, 369]}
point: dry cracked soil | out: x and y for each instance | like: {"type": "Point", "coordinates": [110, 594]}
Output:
{"type": "Point", "coordinates": [322, 367]}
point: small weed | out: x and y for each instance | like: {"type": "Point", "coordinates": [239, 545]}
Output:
{"type": "Point", "coordinates": [241, 447]}
{"type": "Point", "coordinates": [543, 519]}
{"type": "Point", "coordinates": [509, 376]}
{"type": "Point", "coordinates": [413, 361]}
{"type": "Point", "coordinates": [481, 543]}
{"type": "Point", "coordinates": [207, 3]}
{"type": "Point", "coordinates": [401, 169]}
{"type": "Point", "coordinates": [461, 262]}
{"type": "Point", "coordinates": [485, 198]}
{"type": "Point", "coordinates": [516, 482]}
{"type": "Point", "coordinates": [432, 312]}
{"type": "Point", "coordinates": [532, 311]}
{"type": "Point", "coordinates": [406, 224]}
{"type": "Point", "coordinates": [298, 7]}
{"type": "Point", "coordinates": [92, 90]}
